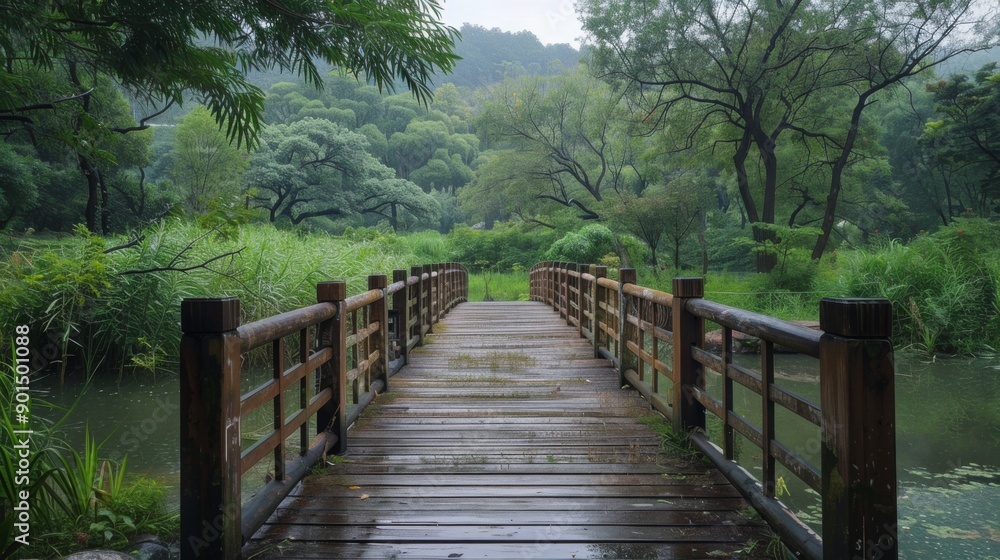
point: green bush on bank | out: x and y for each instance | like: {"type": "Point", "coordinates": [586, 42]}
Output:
{"type": "Point", "coordinates": [943, 286]}
{"type": "Point", "coordinates": [506, 246]}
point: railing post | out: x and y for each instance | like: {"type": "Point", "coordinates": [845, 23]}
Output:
{"type": "Point", "coordinates": [859, 429]}
{"type": "Point", "coordinates": [689, 330]}
{"type": "Point", "coordinates": [211, 513]}
{"type": "Point", "coordinates": [564, 290]}
{"type": "Point", "coordinates": [570, 269]}
{"type": "Point", "coordinates": [439, 296]}
{"type": "Point", "coordinates": [446, 270]}
{"type": "Point", "coordinates": [556, 287]}
{"type": "Point", "coordinates": [333, 374]}
{"type": "Point", "coordinates": [627, 359]}
{"type": "Point", "coordinates": [380, 312]}
{"type": "Point", "coordinates": [418, 326]}
{"type": "Point", "coordinates": [454, 275]}
{"type": "Point", "coordinates": [401, 307]}
{"type": "Point", "coordinates": [431, 286]}
{"type": "Point", "coordinates": [596, 300]}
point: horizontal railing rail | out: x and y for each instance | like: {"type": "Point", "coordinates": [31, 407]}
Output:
{"type": "Point", "coordinates": [328, 361]}
{"type": "Point", "coordinates": [637, 327]}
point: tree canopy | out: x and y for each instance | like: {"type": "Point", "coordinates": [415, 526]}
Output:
{"type": "Point", "coordinates": [162, 50]}
{"type": "Point", "coordinates": [757, 74]}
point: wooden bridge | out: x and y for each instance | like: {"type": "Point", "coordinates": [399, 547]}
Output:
{"type": "Point", "coordinates": [529, 429]}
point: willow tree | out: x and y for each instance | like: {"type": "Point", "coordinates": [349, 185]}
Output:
{"type": "Point", "coordinates": [570, 130]}
{"type": "Point", "coordinates": [754, 73]}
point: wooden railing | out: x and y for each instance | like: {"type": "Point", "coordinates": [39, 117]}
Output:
{"type": "Point", "coordinates": [634, 326]}
{"type": "Point", "coordinates": [343, 349]}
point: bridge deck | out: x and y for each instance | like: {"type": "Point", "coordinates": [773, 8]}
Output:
{"type": "Point", "coordinates": [505, 438]}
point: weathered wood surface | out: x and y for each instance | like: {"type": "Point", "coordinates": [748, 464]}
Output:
{"type": "Point", "coordinates": [504, 438]}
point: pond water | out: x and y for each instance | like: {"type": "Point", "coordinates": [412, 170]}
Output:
{"type": "Point", "coordinates": [948, 444]}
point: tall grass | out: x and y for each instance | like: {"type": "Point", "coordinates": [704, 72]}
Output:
{"type": "Point", "coordinates": [943, 287]}
{"type": "Point", "coordinates": [120, 311]}
{"type": "Point", "coordinates": [427, 247]}
{"type": "Point", "coordinates": [76, 498]}
{"type": "Point", "coordinates": [753, 292]}
{"type": "Point", "coordinates": [498, 286]}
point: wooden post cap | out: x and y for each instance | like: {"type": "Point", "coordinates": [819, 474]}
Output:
{"type": "Point", "coordinates": [209, 315]}
{"type": "Point", "coordinates": [689, 287]}
{"type": "Point", "coordinates": [377, 282]}
{"type": "Point", "coordinates": [626, 275]}
{"type": "Point", "coordinates": [331, 291]}
{"type": "Point", "coordinates": [600, 271]}
{"type": "Point", "coordinates": [856, 317]}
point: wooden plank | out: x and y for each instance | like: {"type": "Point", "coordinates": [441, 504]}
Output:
{"type": "Point", "coordinates": [634, 517]}
{"type": "Point", "coordinates": [651, 507]}
{"type": "Point", "coordinates": [505, 437]}
{"type": "Point", "coordinates": [552, 532]}
{"type": "Point", "coordinates": [467, 551]}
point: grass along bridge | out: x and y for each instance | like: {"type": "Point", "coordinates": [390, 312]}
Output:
{"type": "Point", "coordinates": [507, 430]}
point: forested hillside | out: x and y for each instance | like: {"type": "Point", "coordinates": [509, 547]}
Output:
{"type": "Point", "coordinates": [489, 55]}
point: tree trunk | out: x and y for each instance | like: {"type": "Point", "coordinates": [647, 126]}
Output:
{"type": "Point", "coordinates": [765, 145]}
{"type": "Point", "coordinates": [105, 211]}
{"type": "Point", "coordinates": [90, 174]}
{"type": "Point", "coordinates": [742, 179]}
{"type": "Point", "coordinates": [836, 180]}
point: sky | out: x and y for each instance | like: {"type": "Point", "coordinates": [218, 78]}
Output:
{"type": "Point", "coordinates": [552, 21]}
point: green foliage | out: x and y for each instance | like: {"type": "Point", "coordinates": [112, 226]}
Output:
{"type": "Point", "coordinates": [121, 309]}
{"type": "Point", "coordinates": [77, 499]}
{"type": "Point", "coordinates": [314, 168]}
{"type": "Point", "coordinates": [488, 55]}
{"type": "Point", "coordinates": [506, 246]}
{"type": "Point", "coordinates": [207, 166]}
{"type": "Point", "coordinates": [588, 245]}
{"type": "Point", "coordinates": [19, 178]}
{"type": "Point", "coordinates": [963, 142]}
{"type": "Point", "coordinates": [499, 286]}
{"type": "Point", "coordinates": [943, 287]}
{"type": "Point", "coordinates": [793, 131]}
{"type": "Point", "coordinates": [53, 289]}
{"type": "Point", "coordinates": [427, 247]}
{"type": "Point", "coordinates": [157, 48]}
{"type": "Point", "coordinates": [570, 131]}
{"type": "Point", "coordinates": [794, 270]}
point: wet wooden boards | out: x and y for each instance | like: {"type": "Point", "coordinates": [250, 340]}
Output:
{"type": "Point", "coordinates": [505, 438]}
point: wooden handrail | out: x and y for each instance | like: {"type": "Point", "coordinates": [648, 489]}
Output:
{"type": "Point", "coordinates": [347, 348]}
{"type": "Point", "coordinates": [632, 326]}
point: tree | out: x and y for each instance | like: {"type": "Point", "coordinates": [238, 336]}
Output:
{"type": "Point", "coordinates": [206, 165]}
{"type": "Point", "coordinates": [501, 189]}
{"type": "Point", "coordinates": [966, 140]}
{"type": "Point", "coordinates": [161, 52]}
{"type": "Point", "coordinates": [674, 211]}
{"type": "Point", "coordinates": [754, 74]}
{"type": "Point", "coordinates": [414, 147]}
{"type": "Point", "coordinates": [573, 125]}
{"type": "Point", "coordinates": [156, 48]}
{"type": "Point", "coordinates": [314, 168]}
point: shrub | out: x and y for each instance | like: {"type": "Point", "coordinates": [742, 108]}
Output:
{"type": "Point", "coordinates": [943, 287]}
{"type": "Point", "coordinates": [587, 245]}
{"type": "Point", "coordinates": [505, 246]}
